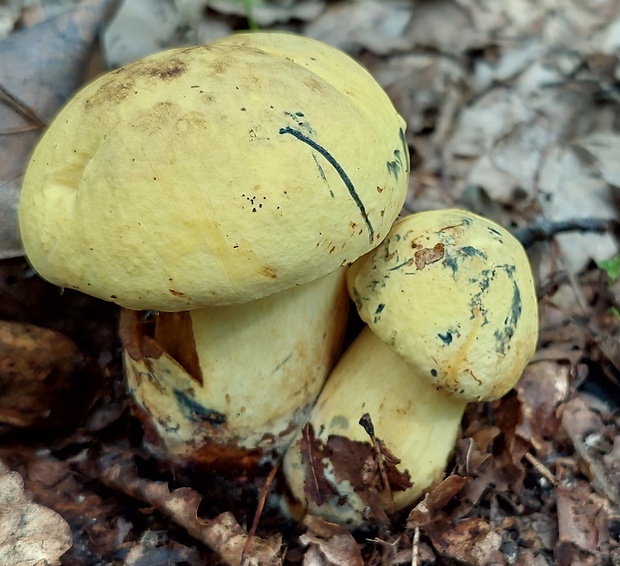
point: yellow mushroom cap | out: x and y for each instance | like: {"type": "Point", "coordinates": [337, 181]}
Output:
{"type": "Point", "coordinates": [453, 294]}
{"type": "Point", "coordinates": [215, 174]}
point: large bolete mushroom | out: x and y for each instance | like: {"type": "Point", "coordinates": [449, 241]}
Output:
{"type": "Point", "coordinates": [223, 188]}
{"type": "Point", "coordinates": [451, 314]}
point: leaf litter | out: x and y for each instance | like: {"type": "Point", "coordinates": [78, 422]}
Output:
{"type": "Point", "coordinates": [30, 534]}
{"type": "Point", "coordinates": [513, 110]}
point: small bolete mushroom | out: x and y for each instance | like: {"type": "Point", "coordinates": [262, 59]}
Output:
{"type": "Point", "coordinates": [451, 314]}
{"type": "Point", "coordinates": [223, 188]}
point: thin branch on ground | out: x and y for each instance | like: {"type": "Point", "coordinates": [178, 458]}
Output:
{"type": "Point", "coordinates": [257, 514]}
{"type": "Point", "coordinates": [20, 108]}
{"type": "Point", "coordinates": [116, 470]}
{"type": "Point", "coordinates": [542, 229]}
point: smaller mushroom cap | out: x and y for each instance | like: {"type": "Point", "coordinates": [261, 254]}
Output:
{"type": "Point", "coordinates": [453, 294]}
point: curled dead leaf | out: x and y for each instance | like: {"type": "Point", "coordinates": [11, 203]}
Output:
{"type": "Point", "coordinates": [41, 66]}
{"type": "Point", "coordinates": [29, 533]}
{"type": "Point", "coordinates": [329, 544]}
{"type": "Point", "coordinates": [369, 467]}
{"type": "Point", "coordinates": [223, 534]}
{"type": "Point", "coordinates": [430, 507]}
{"type": "Point", "coordinates": [469, 541]}
{"type": "Point", "coordinates": [581, 517]}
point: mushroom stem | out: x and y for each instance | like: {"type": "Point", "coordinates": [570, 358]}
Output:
{"type": "Point", "coordinates": [415, 422]}
{"type": "Point", "coordinates": [230, 386]}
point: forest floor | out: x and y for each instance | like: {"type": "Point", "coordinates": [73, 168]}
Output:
{"type": "Point", "coordinates": [513, 112]}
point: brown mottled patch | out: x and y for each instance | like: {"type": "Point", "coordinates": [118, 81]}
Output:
{"type": "Point", "coordinates": [165, 70]}
{"type": "Point", "coordinates": [426, 256]}
{"type": "Point", "coordinates": [219, 67]}
{"type": "Point", "coordinates": [313, 84]}
{"type": "Point", "coordinates": [268, 271]}
{"type": "Point", "coordinates": [163, 115]}
{"type": "Point", "coordinates": [110, 92]}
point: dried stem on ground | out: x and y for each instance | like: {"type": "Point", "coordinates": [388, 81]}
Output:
{"type": "Point", "coordinates": [222, 534]}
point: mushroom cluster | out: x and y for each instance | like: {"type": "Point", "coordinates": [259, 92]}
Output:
{"type": "Point", "coordinates": [223, 189]}
{"type": "Point", "coordinates": [219, 194]}
{"type": "Point", "coordinates": [451, 312]}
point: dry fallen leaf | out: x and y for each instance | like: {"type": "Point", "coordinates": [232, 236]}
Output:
{"type": "Point", "coordinates": [542, 387]}
{"type": "Point", "coordinates": [223, 534]}
{"type": "Point", "coordinates": [469, 541]}
{"type": "Point", "coordinates": [584, 426]}
{"type": "Point", "coordinates": [41, 66]}
{"type": "Point", "coordinates": [534, 130]}
{"type": "Point", "coordinates": [142, 27]}
{"type": "Point", "coordinates": [151, 549]}
{"type": "Point", "coordinates": [30, 534]}
{"type": "Point", "coordinates": [370, 468]}
{"type": "Point", "coordinates": [44, 379]}
{"type": "Point", "coordinates": [9, 14]}
{"type": "Point", "coordinates": [329, 544]}
{"type": "Point", "coordinates": [581, 517]}
{"type": "Point", "coordinates": [267, 12]}
{"type": "Point", "coordinates": [512, 111]}
{"type": "Point", "coordinates": [572, 185]}
{"type": "Point", "coordinates": [376, 25]}
{"type": "Point", "coordinates": [430, 507]}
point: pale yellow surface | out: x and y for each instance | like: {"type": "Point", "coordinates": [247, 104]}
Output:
{"type": "Point", "coordinates": [466, 319]}
{"type": "Point", "coordinates": [263, 364]}
{"type": "Point", "coordinates": [417, 423]}
{"type": "Point", "coordinates": [214, 174]}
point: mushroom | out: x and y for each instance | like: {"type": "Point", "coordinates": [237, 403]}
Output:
{"type": "Point", "coordinates": [451, 313]}
{"type": "Point", "coordinates": [222, 188]}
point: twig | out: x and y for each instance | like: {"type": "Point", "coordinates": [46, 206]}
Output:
{"type": "Point", "coordinates": [116, 469]}
{"type": "Point", "coordinates": [541, 469]}
{"type": "Point", "coordinates": [415, 547]}
{"type": "Point", "coordinates": [257, 514]}
{"type": "Point", "coordinates": [543, 229]}
{"type": "Point", "coordinates": [587, 330]}
{"type": "Point", "coordinates": [20, 108]}
{"type": "Point", "coordinates": [366, 423]}
{"type": "Point", "coordinates": [599, 480]}
{"type": "Point", "coordinates": [21, 130]}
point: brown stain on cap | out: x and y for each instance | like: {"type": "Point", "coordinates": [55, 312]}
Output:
{"type": "Point", "coordinates": [426, 256]}
{"type": "Point", "coordinates": [165, 70]}
{"type": "Point", "coordinates": [269, 271]}
{"type": "Point", "coordinates": [118, 85]}
{"type": "Point", "coordinates": [110, 92]}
